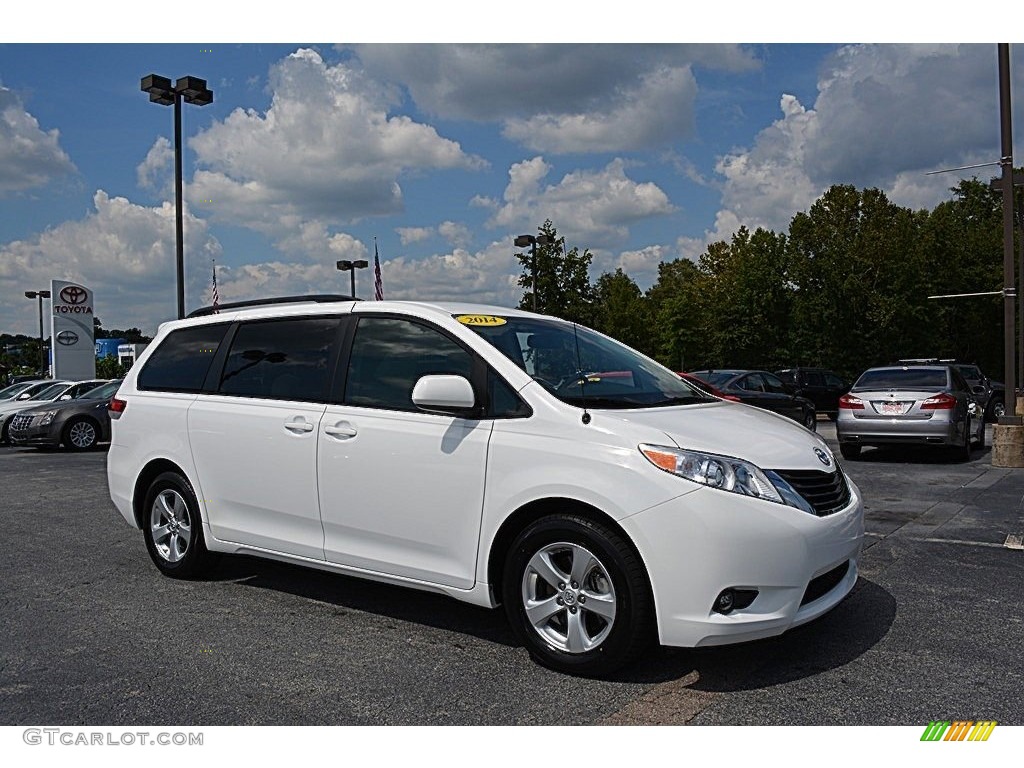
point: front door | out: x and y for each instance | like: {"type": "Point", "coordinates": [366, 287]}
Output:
{"type": "Point", "coordinates": [401, 491]}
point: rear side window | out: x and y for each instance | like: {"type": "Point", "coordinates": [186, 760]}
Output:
{"type": "Point", "coordinates": [182, 360]}
{"type": "Point", "coordinates": [281, 359]}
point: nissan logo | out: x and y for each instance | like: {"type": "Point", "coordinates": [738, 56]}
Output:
{"type": "Point", "coordinates": [67, 338]}
{"type": "Point", "coordinates": [73, 294]}
{"type": "Point", "coordinates": [823, 457]}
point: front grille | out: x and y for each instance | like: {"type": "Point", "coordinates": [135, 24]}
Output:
{"type": "Point", "coordinates": [826, 492]}
{"type": "Point", "coordinates": [19, 423]}
{"type": "Point", "coordinates": [822, 585]}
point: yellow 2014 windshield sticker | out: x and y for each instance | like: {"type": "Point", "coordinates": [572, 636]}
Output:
{"type": "Point", "coordinates": [481, 320]}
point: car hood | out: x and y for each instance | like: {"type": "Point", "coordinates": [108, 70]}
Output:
{"type": "Point", "coordinates": [60, 405]}
{"type": "Point", "coordinates": [767, 439]}
{"type": "Point", "coordinates": [22, 405]}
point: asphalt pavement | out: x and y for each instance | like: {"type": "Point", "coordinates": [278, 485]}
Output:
{"type": "Point", "coordinates": [92, 634]}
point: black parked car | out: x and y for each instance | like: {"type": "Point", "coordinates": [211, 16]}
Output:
{"type": "Point", "coordinates": [821, 386]}
{"type": "Point", "coordinates": [78, 424]}
{"type": "Point", "coordinates": [763, 389]}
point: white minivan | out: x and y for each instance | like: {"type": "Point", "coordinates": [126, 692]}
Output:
{"type": "Point", "coordinates": [493, 455]}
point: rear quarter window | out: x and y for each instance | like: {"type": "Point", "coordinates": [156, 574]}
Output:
{"type": "Point", "coordinates": [182, 360]}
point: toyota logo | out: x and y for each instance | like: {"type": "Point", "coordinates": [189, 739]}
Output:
{"type": "Point", "coordinates": [73, 294]}
{"type": "Point", "coordinates": [67, 338]}
{"type": "Point", "coordinates": [823, 457]}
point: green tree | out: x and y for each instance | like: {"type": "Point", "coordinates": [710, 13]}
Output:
{"type": "Point", "coordinates": [856, 267]}
{"type": "Point", "coordinates": [563, 281]}
{"type": "Point", "coordinates": [623, 312]}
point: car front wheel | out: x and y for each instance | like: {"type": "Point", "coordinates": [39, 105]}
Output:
{"type": "Point", "coordinates": [173, 528]}
{"type": "Point", "coordinates": [80, 435]}
{"type": "Point", "coordinates": [577, 595]}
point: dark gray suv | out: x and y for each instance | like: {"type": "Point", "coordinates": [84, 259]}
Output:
{"type": "Point", "coordinates": [78, 424]}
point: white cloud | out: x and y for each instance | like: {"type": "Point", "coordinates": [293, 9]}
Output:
{"type": "Point", "coordinates": [152, 173]}
{"type": "Point", "coordinates": [414, 234]}
{"type": "Point", "coordinates": [656, 111]}
{"type": "Point", "coordinates": [883, 117]}
{"type": "Point", "coordinates": [591, 206]}
{"type": "Point", "coordinates": [488, 276]}
{"type": "Point", "coordinates": [29, 156]}
{"type": "Point", "coordinates": [560, 98]}
{"type": "Point", "coordinates": [455, 233]}
{"type": "Point", "coordinates": [123, 251]}
{"type": "Point", "coordinates": [327, 151]}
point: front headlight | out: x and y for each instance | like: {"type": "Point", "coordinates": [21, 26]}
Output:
{"type": "Point", "coordinates": [722, 472]}
{"type": "Point", "coordinates": [46, 418]}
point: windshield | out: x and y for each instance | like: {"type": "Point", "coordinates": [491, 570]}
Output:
{"type": "Point", "coordinates": [582, 367]}
{"type": "Point", "coordinates": [968, 371]}
{"type": "Point", "coordinates": [903, 378]}
{"type": "Point", "coordinates": [14, 389]}
{"type": "Point", "coordinates": [52, 391]}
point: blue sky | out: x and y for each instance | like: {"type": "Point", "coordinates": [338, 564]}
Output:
{"type": "Point", "coordinates": [445, 151]}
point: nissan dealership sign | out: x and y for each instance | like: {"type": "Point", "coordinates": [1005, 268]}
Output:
{"type": "Point", "coordinates": [73, 347]}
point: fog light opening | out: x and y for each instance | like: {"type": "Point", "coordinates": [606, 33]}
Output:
{"type": "Point", "coordinates": [732, 599]}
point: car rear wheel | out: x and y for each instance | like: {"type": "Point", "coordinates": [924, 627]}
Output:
{"type": "Point", "coordinates": [851, 452]}
{"type": "Point", "coordinates": [80, 434]}
{"type": "Point", "coordinates": [997, 409]}
{"type": "Point", "coordinates": [811, 420]}
{"type": "Point", "coordinates": [963, 452]}
{"type": "Point", "coordinates": [577, 595]}
{"type": "Point", "coordinates": [173, 528]}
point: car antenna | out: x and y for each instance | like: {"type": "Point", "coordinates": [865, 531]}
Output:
{"type": "Point", "coordinates": [582, 375]}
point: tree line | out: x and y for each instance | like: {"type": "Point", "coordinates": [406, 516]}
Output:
{"type": "Point", "coordinates": [845, 287]}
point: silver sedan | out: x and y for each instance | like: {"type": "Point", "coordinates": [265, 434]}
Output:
{"type": "Point", "coordinates": [910, 405]}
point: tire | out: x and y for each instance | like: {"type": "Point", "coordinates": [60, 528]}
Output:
{"type": "Point", "coordinates": [5, 437]}
{"type": "Point", "coordinates": [849, 451]}
{"type": "Point", "coordinates": [811, 420]}
{"type": "Point", "coordinates": [565, 633]}
{"type": "Point", "coordinates": [80, 434]}
{"type": "Point", "coordinates": [963, 452]}
{"type": "Point", "coordinates": [173, 528]}
{"type": "Point", "coordinates": [997, 410]}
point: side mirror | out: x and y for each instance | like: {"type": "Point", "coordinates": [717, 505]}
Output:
{"type": "Point", "coordinates": [447, 394]}
{"type": "Point", "coordinates": [64, 397]}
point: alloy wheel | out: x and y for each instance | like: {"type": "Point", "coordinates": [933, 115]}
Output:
{"type": "Point", "coordinates": [170, 525]}
{"type": "Point", "coordinates": [568, 597]}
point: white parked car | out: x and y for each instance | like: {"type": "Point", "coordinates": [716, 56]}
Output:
{"type": "Point", "coordinates": [493, 455]}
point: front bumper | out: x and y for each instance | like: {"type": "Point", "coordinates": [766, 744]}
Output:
{"type": "Point", "coordinates": [33, 433]}
{"type": "Point", "coordinates": [698, 545]}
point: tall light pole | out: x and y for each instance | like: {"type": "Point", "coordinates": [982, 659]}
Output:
{"type": "Point", "coordinates": [529, 240]}
{"type": "Point", "coordinates": [1006, 182]}
{"type": "Point", "coordinates": [40, 295]}
{"type": "Point", "coordinates": [194, 91]}
{"type": "Point", "coordinates": [351, 266]}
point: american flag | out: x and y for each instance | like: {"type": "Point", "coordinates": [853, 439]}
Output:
{"type": "Point", "coordinates": [378, 286]}
{"type": "Point", "coordinates": [216, 293]}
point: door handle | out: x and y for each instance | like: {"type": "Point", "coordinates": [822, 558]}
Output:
{"type": "Point", "coordinates": [342, 430]}
{"type": "Point", "coordinates": [298, 425]}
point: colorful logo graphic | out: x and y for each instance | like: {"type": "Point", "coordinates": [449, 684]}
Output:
{"type": "Point", "coordinates": [959, 730]}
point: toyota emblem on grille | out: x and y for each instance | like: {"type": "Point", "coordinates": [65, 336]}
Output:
{"type": "Point", "coordinates": [73, 294]}
{"type": "Point", "coordinates": [823, 457]}
{"type": "Point", "coordinates": [67, 338]}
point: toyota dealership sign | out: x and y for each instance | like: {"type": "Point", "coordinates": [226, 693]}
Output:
{"type": "Point", "coordinates": [74, 350]}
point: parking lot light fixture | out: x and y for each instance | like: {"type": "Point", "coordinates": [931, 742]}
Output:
{"type": "Point", "coordinates": [529, 240]}
{"type": "Point", "coordinates": [191, 90]}
{"type": "Point", "coordinates": [345, 265]}
{"type": "Point", "coordinates": [40, 295]}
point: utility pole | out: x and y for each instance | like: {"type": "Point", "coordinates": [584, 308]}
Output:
{"type": "Point", "coordinates": [1006, 183]}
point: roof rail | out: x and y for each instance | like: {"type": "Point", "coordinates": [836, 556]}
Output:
{"type": "Point", "coordinates": [316, 297]}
